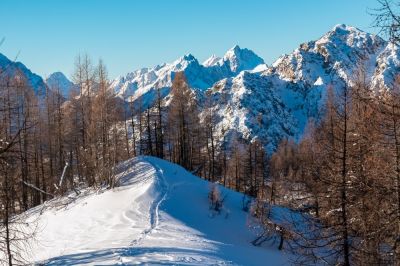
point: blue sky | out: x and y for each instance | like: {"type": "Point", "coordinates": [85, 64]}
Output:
{"type": "Point", "coordinates": [131, 34]}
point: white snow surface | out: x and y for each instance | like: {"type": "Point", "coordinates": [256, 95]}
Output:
{"type": "Point", "coordinates": [158, 215]}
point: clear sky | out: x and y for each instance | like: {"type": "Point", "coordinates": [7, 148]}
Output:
{"type": "Point", "coordinates": [131, 34]}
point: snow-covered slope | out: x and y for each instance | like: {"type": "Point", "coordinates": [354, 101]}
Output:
{"type": "Point", "coordinates": [57, 81]}
{"type": "Point", "coordinates": [158, 215]}
{"type": "Point", "coordinates": [10, 70]}
{"type": "Point", "coordinates": [248, 107]}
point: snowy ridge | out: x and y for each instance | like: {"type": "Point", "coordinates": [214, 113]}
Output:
{"type": "Point", "coordinates": [141, 84]}
{"type": "Point", "coordinates": [149, 219]}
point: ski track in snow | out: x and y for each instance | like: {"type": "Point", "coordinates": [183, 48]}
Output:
{"type": "Point", "coordinates": [154, 210]}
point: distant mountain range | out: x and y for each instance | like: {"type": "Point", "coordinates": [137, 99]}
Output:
{"type": "Point", "coordinates": [253, 100]}
{"type": "Point", "coordinates": [142, 83]}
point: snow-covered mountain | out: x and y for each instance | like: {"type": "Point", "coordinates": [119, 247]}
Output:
{"type": "Point", "coordinates": [57, 81]}
{"type": "Point", "coordinates": [11, 70]}
{"type": "Point", "coordinates": [238, 59]}
{"type": "Point", "coordinates": [293, 89]}
{"type": "Point", "coordinates": [143, 82]}
{"type": "Point", "coordinates": [302, 77]}
{"type": "Point", "coordinates": [159, 214]}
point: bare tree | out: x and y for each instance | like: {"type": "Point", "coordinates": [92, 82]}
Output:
{"type": "Point", "coordinates": [387, 19]}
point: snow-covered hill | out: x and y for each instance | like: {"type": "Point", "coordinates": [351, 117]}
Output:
{"type": "Point", "coordinates": [158, 215]}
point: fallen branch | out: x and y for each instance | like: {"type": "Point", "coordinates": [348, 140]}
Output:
{"type": "Point", "coordinates": [36, 188]}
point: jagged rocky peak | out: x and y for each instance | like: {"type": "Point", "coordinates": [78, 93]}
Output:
{"type": "Point", "coordinates": [185, 58]}
{"type": "Point", "coordinates": [189, 57]}
{"type": "Point", "coordinates": [340, 50]}
{"type": "Point", "coordinates": [183, 62]}
{"type": "Point", "coordinates": [241, 59]}
{"type": "Point", "coordinates": [343, 35]}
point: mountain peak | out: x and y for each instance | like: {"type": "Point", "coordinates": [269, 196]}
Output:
{"type": "Point", "coordinates": [58, 81]}
{"type": "Point", "coordinates": [57, 74]}
{"type": "Point", "coordinates": [235, 48]}
{"type": "Point", "coordinates": [344, 27]}
{"type": "Point", "coordinates": [344, 35]}
{"type": "Point", "coordinates": [241, 59]}
{"type": "Point", "coordinates": [14, 68]}
{"type": "Point", "coordinates": [184, 61]}
{"type": "Point", "coordinates": [188, 57]}
{"type": "Point", "coordinates": [343, 31]}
